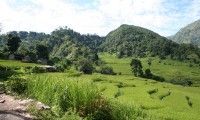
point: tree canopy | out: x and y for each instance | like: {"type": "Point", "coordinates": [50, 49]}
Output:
{"type": "Point", "coordinates": [13, 43]}
{"type": "Point", "coordinates": [136, 67]}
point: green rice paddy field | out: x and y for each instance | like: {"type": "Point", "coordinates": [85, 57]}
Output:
{"type": "Point", "coordinates": [161, 100]}
{"type": "Point", "coordinates": [13, 63]}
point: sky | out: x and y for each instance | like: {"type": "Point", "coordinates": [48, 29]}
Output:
{"type": "Point", "coordinates": [166, 17]}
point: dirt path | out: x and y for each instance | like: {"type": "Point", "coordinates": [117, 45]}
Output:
{"type": "Point", "coordinates": [13, 109]}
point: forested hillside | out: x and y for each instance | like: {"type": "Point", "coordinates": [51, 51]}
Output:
{"type": "Point", "coordinates": [188, 34]}
{"type": "Point", "coordinates": [129, 40]}
{"type": "Point", "coordinates": [125, 41]}
{"type": "Point", "coordinates": [62, 44]}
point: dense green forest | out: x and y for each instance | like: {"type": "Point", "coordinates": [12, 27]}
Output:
{"type": "Point", "coordinates": [125, 41]}
{"type": "Point", "coordinates": [128, 41]}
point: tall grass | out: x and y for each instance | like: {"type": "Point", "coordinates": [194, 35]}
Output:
{"type": "Point", "coordinates": [126, 111]}
{"type": "Point", "coordinates": [64, 93]}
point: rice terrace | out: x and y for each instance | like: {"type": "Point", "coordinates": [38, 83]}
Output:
{"type": "Point", "coordinates": [146, 69]}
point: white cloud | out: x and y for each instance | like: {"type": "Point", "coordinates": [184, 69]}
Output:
{"type": "Point", "coordinates": [100, 16]}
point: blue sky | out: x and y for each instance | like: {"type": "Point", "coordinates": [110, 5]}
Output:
{"type": "Point", "coordinates": [165, 17]}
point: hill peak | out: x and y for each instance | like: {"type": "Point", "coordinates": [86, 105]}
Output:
{"type": "Point", "coordinates": [189, 34]}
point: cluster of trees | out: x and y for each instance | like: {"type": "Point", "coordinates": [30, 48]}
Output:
{"type": "Point", "coordinates": [14, 45]}
{"type": "Point", "coordinates": [136, 66]}
{"type": "Point", "coordinates": [61, 48]}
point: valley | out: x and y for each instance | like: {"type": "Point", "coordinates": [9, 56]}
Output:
{"type": "Point", "coordinates": [132, 73]}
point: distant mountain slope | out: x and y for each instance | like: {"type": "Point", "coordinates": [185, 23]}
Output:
{"type": "Point", "coordinates": [129, 40]}
{"type": "Point", "coordinates": [189, 34]}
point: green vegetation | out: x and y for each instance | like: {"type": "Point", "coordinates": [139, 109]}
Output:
{"type": "Point", "coordinates": [123, 96]}
{"type": "Point", "coordinates": [168, 69]}
{"type": "Point", "coordinates": [107, 70]}
{"type": "Point", "coordinates": [134, 41]}
{"type": "Point", "coordinates": [17, 84]}
{"type": "Point", "coordinates": [14, 63]}
{"type": "Point", "coordinates": [164, 95]}
{"type": "Point", "coordinates": [152, 91]}
{"type": "Point", "coordinates": [85, 66]}
{"type": "Point", "coordinates": [67, 94]}
{"type": "Point", "coordinates": [165, 84]}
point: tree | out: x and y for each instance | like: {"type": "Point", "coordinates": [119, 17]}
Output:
{"type": "Point", "coordinates": [149, 62]}
{"type": "Point", "coordinates": [23, 49]}
{"type": "Point", "coordinates": [13, 43]}
{"type": "Point", "coordinates": [42, 51]}
{"type": "Point", "coordinates": [148, 73]}
{"type": "Point", "coordinates": [136, 67]}
{"type": "Point", "coordinates": [85, 66]}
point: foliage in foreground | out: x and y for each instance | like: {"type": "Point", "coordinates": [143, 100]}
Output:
{"type": "Point", "coordinates": [82, 98]}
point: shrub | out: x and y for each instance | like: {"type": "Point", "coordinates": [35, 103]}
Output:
{"type": "Point", "coordinates": [85, 66]}
{"type": "Point", "coordinates": [188, 101]}
{"type": "Point", "coordinates": [102, 109]}
{"type": "Point", "coordinates": [185, 82]}
{"type": "Point", "coordinates": [164, 95]}
{"type": "Point", "coordinates": [187, 98]}
{"type": "Point", "coordinates": [152, 91]}
{"type": "Point", "coordinates": [148, 73]}
{"type": "Point", "coordinates": [6, 74]}
{"type": "Point", "coordinates": [97, 79]}
{"type": "Point", "coordinates": [17, 84]}
{"type": "Point", "coordinates": [38, 70]}
{"type": "Point", "coordinates": [158, 78]}
{"type": "Point", "coordinates": [119, 93]}
{"type": "Point", "coordinates": [120, 85]}
{"type": "Point", "coordinates": [107, 70]}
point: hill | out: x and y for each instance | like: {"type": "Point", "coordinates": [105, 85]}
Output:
{"type": "Point", "coordinates": [129, 40]}
{"type": "Point", "coordinates": [62, 44]}
{"type": "Point", "coordinates": [125, 41]}
{"type": "Point", "coordinates": [189, 34]}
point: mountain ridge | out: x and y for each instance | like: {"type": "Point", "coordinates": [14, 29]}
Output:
{"type": "Point", "coordinates": [189, 34]}
{"type": "Point", "coordinates": [124, 41]}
